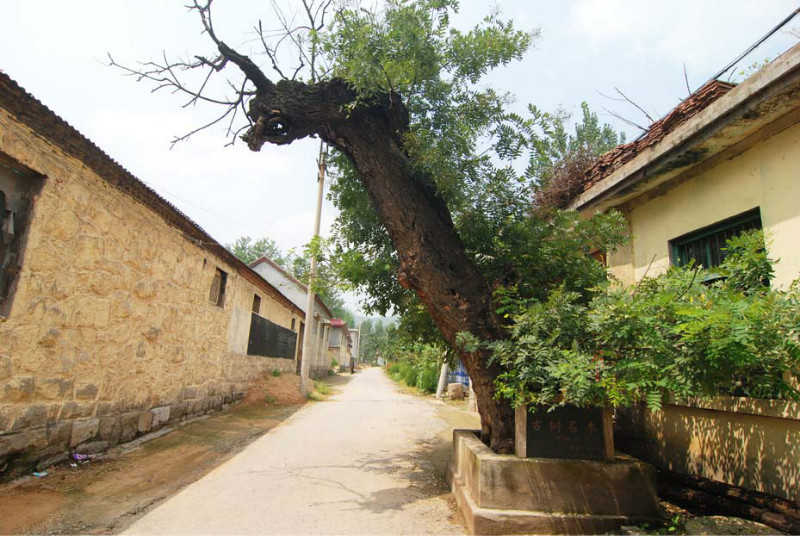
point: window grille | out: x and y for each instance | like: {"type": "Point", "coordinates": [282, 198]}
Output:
{"type": "Point", "coordinates": [705, 246]}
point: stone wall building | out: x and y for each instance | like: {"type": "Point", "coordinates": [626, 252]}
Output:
{"type": "Point", "coordinates": [118, 314]}
{"type": "Point", "coordinates": [297, 292]}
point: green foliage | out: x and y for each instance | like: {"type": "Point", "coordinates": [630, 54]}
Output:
{"type": "Point", "coordinates": [276, 373]}
{"type": "Point", "coordinates": [410, 376]}
{"type": "Point", "coordinates": [298, 265]}
{"type": "Point", "coordinates": [418, 366]}
{"type": "Point", "coordinates": [248, 251]}
{"type": "Point", "coordinates": [671, 336]}
{"type": "Point", "coordinates": [428, 378]}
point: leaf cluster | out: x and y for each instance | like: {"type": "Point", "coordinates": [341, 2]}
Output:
{"type": "Point", "coordinates": [672, 336]}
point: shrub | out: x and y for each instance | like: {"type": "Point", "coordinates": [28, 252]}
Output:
{"type": "Point", "coordinates": [671, 335]}
{"type": "Point", "coordinates": [428, 378]}
{"type": "Point", "coordinates": [276, 373]}
{"type": "Point", "coordinates": [410, 376]}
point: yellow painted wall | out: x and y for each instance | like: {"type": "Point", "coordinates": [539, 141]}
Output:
{"type": "Point", "coordinates": [756, 451]}
{"type": "Point", "coordinates": [767, 176]}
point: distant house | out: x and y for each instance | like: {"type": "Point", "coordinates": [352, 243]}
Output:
{"type": "Point", "coordinates": [340, 345]}
{"type": "Point", "coordinates": [118, 314]}
{"type": "Point", "coordinates": [726, 159]}
{"type": "Point", "coordinates": [355, 338]}
{"type": "Point", "coordinates": [297, 292]}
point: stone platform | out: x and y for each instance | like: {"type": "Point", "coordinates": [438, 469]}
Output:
{"type": "Point", "coordinates": [504, 494]}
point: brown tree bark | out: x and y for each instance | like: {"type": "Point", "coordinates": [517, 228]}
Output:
{"type": "Point", "coordinates": [433, 260]}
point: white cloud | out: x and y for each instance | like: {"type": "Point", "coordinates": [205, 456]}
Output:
{"type": "Point", "coordinates": [697, 32]}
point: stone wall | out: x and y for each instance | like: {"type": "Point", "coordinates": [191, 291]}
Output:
{"type": "Point", "coordinates": [111, 333]}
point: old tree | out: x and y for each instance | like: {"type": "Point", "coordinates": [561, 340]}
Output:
{"type": "Point", "coordinates": [432, 210]}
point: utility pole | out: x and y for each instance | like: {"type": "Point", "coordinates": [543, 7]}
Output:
{"type": "Point", "coordinates": [308, 335]}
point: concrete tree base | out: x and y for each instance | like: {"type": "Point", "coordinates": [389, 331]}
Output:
{"type": "Point", "coordinates": [504, 494]}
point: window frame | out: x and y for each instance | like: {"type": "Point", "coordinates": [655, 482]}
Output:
{"type": "Point", "coordinates": [677, 245]}
{"type": "Point", "coordinates": [219, 299]}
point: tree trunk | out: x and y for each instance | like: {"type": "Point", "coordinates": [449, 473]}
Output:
{"type": "Point", "coordinates": [433, 261]}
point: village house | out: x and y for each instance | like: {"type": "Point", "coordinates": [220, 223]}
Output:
{"type": "Point", "coordinates": [340, 344]}
{"type": "Point", "coordinates": [725, 160]}
{"type": "Point", "coordinates": [118, 314]}
{"type": "Point", "coordinates": [297, 292]}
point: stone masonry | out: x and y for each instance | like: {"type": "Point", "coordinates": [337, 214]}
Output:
{"type": "Point", "coordinates": [111, 333]}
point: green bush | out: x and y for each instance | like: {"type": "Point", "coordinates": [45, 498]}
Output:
{"type": "Point", "coordinates": [410, 376]}
{"type": "Point", "coordinates": [670, 335]}
{"type": "Point", "coordinates": [428, 378]}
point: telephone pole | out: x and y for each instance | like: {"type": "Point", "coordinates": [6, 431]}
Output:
{"type": "Point", "coordinates": [308, 333]}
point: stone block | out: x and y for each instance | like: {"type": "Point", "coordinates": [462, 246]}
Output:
{"type": "Point", "coordinates": [49, 338]}
{"type": "Point", "coordinates": [54, 459]}
{"type": "Point", "coordinates": [189, 393]}
{"type": "Point", "coordinates": [93, 447]}
{"type": "Point", "coordinates": [160, 416]}
{"type": "Point", "coordinates": [74, 410]}
{"type": "Point", "coordinates": [178, 411]}
{"type": "Point", "coordinates": [5, 367]}
{"type": "Point", "coordinates": [129, 426]}
{"type": "Point", "coordinates": [455, 391]}
{"type": "Point", "coordinates": [19, 390]}
{"type": "Point", "coordinates": [83, 431]}
{"type": "Point", "coordinates": [504, 494]}
{"type": "Point", "coordinates": [86, 391]}
{"type": "Point", "coordinates": [145, 422]}
{"type": "Point", "coordinates": [109, 429]}
{"type": "Point", "coordinates": [54, 388]}
{"type": "Point", "coordinates": [145, 289]}
{"type": "Point", "coordinates": [60, 434]}
{"type": "Point", "coordinates": [23, 441]}
{"type": "Point", "coordinates": [32, 417]}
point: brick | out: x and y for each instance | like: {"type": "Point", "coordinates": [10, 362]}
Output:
{"type": "Point", "coordinates": [83, 431]}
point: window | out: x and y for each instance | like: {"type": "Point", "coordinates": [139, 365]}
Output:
{"type": "Point", "coordinates": [217, 293]}
{"type": "Point", "coordinates": [293, 319]}
{"type": "Point", "coordinates": [19, 187]}
{"type": "Point", "coordinates": [704, 246]}
{"type": "Point", "coordinates": [256, 303]}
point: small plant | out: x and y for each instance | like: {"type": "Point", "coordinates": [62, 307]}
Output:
{"type": "Point", "coordinates": [334, 363]}
{"type": "Point", "coordinates": [269, 400]}
{"type": "Point", "coordinates": [322, 388]}
{"type": "Point", "coordinates": [276, 373]}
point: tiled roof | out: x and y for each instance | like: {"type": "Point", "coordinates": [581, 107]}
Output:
{"type": "Point", "coordinates": [612, 160]}
{"type": "Point", "coordinates": [48, 125]}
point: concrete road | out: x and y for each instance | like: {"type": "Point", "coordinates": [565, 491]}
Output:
{"type": "Point", "coordinates": [369, 460]}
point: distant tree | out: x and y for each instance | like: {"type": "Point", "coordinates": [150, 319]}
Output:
{"type": "Point", "coordinates": [248, 251]}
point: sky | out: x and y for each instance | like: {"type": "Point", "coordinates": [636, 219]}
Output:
{"type": "Point", "coordinates": [58, 52]}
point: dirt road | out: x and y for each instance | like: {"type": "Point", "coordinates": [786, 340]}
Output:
{"type": "Point", "coordinates": [370, 460]}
